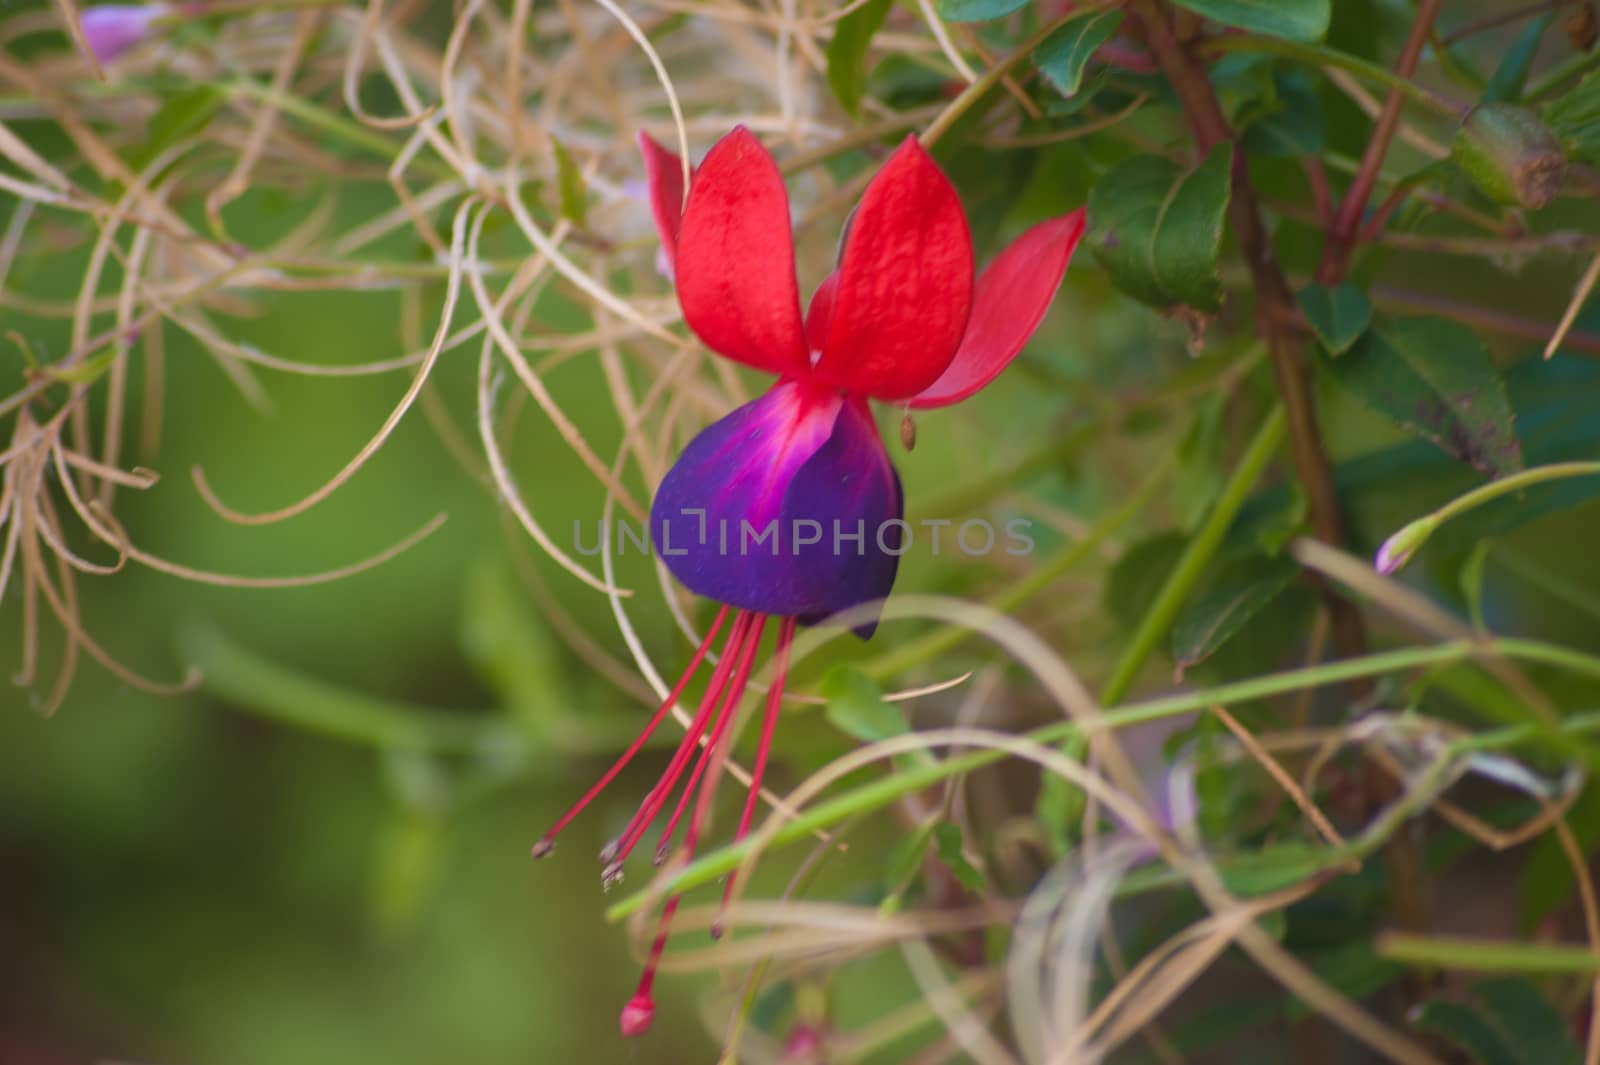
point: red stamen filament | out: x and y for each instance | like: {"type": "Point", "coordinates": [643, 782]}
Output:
{"type": "Point", "coordinates": [547, 843]}
{"type": "Point", "coordinates": [640, 1009]}
{"type": "Point", "coordinates": [615, 853]}
{"type": "Point", "coordinates": [724, 721]}
{"type": "Point", "coordinates": [769, 724]}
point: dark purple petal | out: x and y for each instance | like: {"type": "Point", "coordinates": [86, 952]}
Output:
{"type": "Point", "coordinates": [788, 506]}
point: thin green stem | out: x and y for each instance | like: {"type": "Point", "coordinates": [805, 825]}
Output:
{"type": "Point", "coordinates": [1515, 482]}
{"type": "Point", "coordinates": [1198, 553]}
{"type": "Point", "coordinates": [882, 792]}
{"type": "Point", "coordinates": [1320, 55]}
{"type": "Point", "coordinates": [1487, 955]}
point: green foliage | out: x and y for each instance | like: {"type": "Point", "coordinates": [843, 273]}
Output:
{"type": "Point", "coordinates": [1157, 229]}
{"type": "Point", "coordinates": [1504, 1021]}
{"type": "Point", "coordinates": [1065, 54]}
{"type": "Point", "coordinates": [1435, 379]}
{"type": "Point", "coordinates": [1339, 315]}
{"type": "Point", "coordinates": [1211, 620]}
{"type": "Point", "coordinates": [349, 799]}
{"type": "Point", "coordinates": [1575, 118]}
{"type": "Point", "coordinates": [569, 180]}
{"type": "Point", "coordinates": [847, 52]}
{"type": "Point", "coordinates": [1298, 20]}
{"type": "Point", "coordinates": [976, 10]}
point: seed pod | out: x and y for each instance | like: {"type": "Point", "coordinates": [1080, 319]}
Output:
{"type": "Point", "coordinates": [1510, 155]}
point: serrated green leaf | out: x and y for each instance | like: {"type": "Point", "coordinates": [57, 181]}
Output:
{"type": "Point", "coordinates": [1158, 230]}
{"type": "Point", "coordinates": [1337, 315]}
{"type": "Point", "coordinates": [1434, 378]}
{"type": "Point", "coordinates": [947, 844]}
{"type": "Point", "coordinates": [857, 708]}
{"type": "Point", "coordinates": [574, 192]}
{"type": "Point", "coordinates": [976, 10]}
{"type": "Point", "coordinates": [847, 53]}
{"type": "Point", "coordinates": [1210, 621]}
{"type": "Point", "coordinates": [1506, 83]}
{"type": "Point", "coordinates": [1064, 54]}
{"type": "Point", "coordinates": [1298, 20]}
{"type": "Point", "coordinates": [1575, 120]}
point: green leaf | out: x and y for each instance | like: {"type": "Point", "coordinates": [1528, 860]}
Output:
{"type": "Point", "coordinates": [847, 53]}
{"type": "Point", "coordinates": [1575, 119]}
{"type": "Point", "coordinates": [574, 192]}
{"type": "Point", "coordinates": [1547, 880]}
{"type": "Point", "coordinates": [1298, 20]}
{"type": "Point", "coordinates": [1213, 619]}
{"type": "Point", "coordinates": [1060, 805]}
{"type": "Point", "coordinates": [1507, 1021]}
{"type": "Point", "coordinates": [1255, 873]}
{"type": "Point", "coordinates": [1200, 473]}
{"type": "Point", "coordinates": [181, 116]}
{"type": "Point", "coordinates": [1506, 83]}
{"type": "Point", "coordinates": [1293, 125]}
{"type": "Point", "coordinates": [1463, 1026]}
{"type": "Point", "coordinates": [1533, 1026]}
{"type": "Point", "coordinates": [1064, 54]}
{"type": "Point", "coordinates": [1339, 315]}
{"type": "Point", "coordinates": [947, 844]}
{"type": "Point", "coordinates": [976, 10]}
{"type": "Point", "coordinates": [1434, 378]}
{"type": "Point", "coordinates": [857, 708]}
{"type": "Point", "coordinates": [1158, 230]}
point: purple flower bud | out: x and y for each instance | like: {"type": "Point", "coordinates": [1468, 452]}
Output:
{"type": "Point", "coordinates": [112, 29]}
{"type": "Point", "coordinates": [1398, 549]}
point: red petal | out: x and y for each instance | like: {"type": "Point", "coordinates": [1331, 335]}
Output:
{"type": "Point", "coordinates": [736, 259]}
{"type": "Point", "coordinates": [905, 283]}
{"type": "Point", "coordinates": [820, 314]}
{"type": "Point", "coordinates": [1010, 301]}
{"type": "Point", "coordinates": [664, 171]}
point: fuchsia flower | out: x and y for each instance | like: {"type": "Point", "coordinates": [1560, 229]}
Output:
{"type": "Point", "coordinates": [789, 508]}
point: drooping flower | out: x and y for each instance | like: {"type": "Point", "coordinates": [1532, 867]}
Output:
{"type": "Point", "coordinates": [789, 507]}
{"type": "Point", "coordinates": [111, 29]}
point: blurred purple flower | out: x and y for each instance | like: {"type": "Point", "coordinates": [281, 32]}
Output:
{"type": "Point", "coordinates": [112, 29]}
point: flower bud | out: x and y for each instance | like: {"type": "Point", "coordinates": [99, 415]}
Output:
{"type": "Point", "coordinates": [111, 29]}
{"type": "Point", "coordinates": [1398, 549]}
{"type": "Point", "coordinates": [1510, 155]}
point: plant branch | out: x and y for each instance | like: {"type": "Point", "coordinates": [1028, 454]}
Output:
{"type": "Point", "coordinates": [1276, 311]}
{"type": "Point", "coordinates": [1345, 232]}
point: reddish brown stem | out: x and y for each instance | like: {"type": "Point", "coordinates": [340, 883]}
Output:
{"type": "Point", "coordinates": [1276, 311]}
{"type": "Point", "coordinates": [1345, 232]}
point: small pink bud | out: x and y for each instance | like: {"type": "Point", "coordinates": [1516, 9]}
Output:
{"type": "Point", "coordinates": [637, 1015]}
{"type": "Point", "coordinates": [1398, 549]}
{"type": "Point", "coordinates": [804, 1044]}
{"type": "Point", "coordinates": [112, 29]}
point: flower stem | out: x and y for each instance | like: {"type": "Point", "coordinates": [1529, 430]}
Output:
{"type": "Point", "coordinates": [884, 791]}
{"type": "Point", "coordinates": [1157, 621]}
